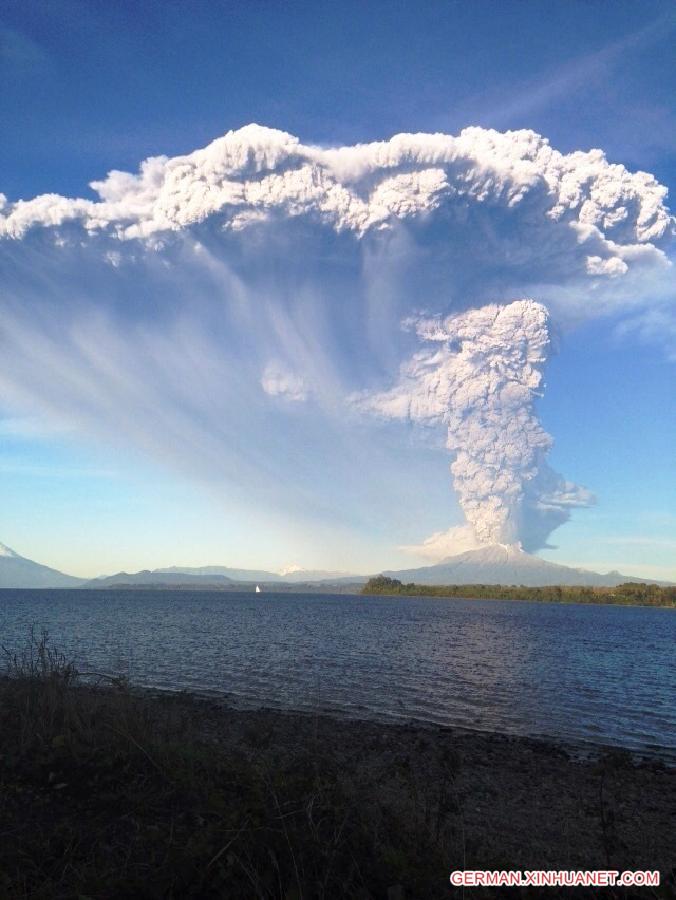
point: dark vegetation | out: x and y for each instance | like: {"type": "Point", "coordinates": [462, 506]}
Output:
{"type": "Point", "coordinates": [630, 594]}
{"type": "Point", "coordinates": [107, 793]}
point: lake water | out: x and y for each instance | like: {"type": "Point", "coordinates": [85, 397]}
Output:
{"type": "Point", "coordinates": [599, 674]}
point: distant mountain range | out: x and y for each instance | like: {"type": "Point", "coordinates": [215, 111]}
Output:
{"type": "Point", "coordinates": [223, 577]}
{"type": "Point", "coordinates": [493, 564]}
{"type": "Point", "coordinates": [291, 575]}
{"type": "Point", "coordinates": [508, 564]}
{"type": "Point", "coordinates": [157, 578]}
{"type": "Point", "coordinates": [18, 572]}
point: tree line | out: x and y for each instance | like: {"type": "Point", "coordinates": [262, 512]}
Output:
{"type": "Point", "coordinates": [628, 594]}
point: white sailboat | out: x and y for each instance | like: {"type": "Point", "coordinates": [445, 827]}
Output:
{"type": "Point", "coordinates": [258, 589]}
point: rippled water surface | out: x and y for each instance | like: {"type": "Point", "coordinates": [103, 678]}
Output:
{"type": "Point", "coordinates": [604, 674]}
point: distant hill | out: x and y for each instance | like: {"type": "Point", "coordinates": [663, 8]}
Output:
{"type": "Point", "coordinates": [293, 575]}
{"type": "Point", "coordinates": [146, 578]}
{"type": "Point", "coordinates": [158, 578]}
{"type": "Point", "coordinates": [18, 572]}
{"type": "Point", "coordinates": [508, 564]}
{"type": "Point", "coordinates": [258, 575]}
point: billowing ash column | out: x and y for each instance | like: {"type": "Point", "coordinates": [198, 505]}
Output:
{"type": "Point", "coordinates": [481, 378]}
{"type": "Point", "coordinates": [489, 384]}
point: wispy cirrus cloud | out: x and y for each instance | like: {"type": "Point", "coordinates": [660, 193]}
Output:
{"type": "Point", "coordinates": [581, 73]}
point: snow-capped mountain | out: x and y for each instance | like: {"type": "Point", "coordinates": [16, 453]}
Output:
{"type": "Point", "coordinates": [18, 572]}
{"type": "Point", "coordinates": [506, 564]}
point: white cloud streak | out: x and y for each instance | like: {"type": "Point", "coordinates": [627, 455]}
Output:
{"type": "Point", "coordinates": [278, 381]}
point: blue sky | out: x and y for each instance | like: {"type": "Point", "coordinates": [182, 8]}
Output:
{"type": "Point", "coordinates": [90, 87]}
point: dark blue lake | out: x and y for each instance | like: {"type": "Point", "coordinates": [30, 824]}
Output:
{"type": "Point", "coordinates": [600, 674]}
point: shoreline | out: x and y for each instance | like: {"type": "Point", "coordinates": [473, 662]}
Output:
{"type": "Point", "coordinates": [628, 594]}
{"type": "Point", "coordinates": [521, 600]}
{"type": "Point", "coordinates": [574, 748]}
{"type": "Point", "coordinates": [167, 779]}
{"type": "Point", "coordinates": [525, 802]}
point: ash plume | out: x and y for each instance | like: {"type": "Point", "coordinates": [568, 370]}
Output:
{"type": "Point", "coordinates": [256, 285]}
{"type": "Point", "coordinates": [480, 379]}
